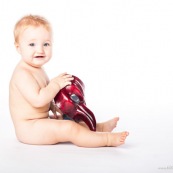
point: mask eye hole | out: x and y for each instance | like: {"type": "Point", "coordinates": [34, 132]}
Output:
{"type": "Point", "coordinates": [75, 98]}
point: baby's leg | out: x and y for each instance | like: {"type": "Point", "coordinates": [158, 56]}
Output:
{"type": "Point", "coordinates": [106, 126]}
{"type": "Point", "coordinates": [49, 131]}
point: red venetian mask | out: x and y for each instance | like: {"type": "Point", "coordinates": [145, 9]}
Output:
{"type": "Point", "coordinates": [70, 100]}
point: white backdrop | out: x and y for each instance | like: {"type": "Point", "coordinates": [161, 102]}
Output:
{"type": "Point", "coordinates": [122, 50]}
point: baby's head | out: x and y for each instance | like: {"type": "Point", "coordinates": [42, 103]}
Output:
{"type": "Point", "coordinates": [27, 21]}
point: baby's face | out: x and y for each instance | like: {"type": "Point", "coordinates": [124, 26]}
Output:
{"type": "Point", "coordinates": [35, 46]}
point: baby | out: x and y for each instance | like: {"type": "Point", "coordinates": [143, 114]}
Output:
{"type": "Point", "coordinates": [31, 94]}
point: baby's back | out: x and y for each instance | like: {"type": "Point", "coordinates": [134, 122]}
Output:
{"type": "Point", "coordinates": [20, 108]}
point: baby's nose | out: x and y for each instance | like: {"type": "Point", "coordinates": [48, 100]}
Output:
{"type": "Point", "coordinates": [40, 49]}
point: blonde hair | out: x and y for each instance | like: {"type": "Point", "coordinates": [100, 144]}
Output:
{"type": "Point", "coordinates": [30, 20]}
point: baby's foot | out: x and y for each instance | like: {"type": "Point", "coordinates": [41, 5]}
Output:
{"type": "Point", "coordinates": [116, 139]}
{"type": "Point", "coordinates": [107, 126]}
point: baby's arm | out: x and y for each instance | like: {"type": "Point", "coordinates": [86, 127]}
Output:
{"type": "Point", "coordinates": [54, 86]}
{"type": "Point", "coordinates": [34, 93]}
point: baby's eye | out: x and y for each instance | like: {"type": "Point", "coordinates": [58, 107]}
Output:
{"type": "Point", "coordinates": [46, 44]}
{"type": "Point", "coordinates": [31, 44]}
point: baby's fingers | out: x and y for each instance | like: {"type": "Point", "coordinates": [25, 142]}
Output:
{"type": "Point", "coordinates": [68, 78]}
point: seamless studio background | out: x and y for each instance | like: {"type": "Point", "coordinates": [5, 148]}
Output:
{"type": "Point", "coordinates": [122, 50]}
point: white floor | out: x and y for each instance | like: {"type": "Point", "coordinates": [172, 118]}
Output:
{"type": "Point", "coordinates": [148, 149]}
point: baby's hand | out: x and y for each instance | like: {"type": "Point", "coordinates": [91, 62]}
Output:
{"type": "Point", "coordinates": [63, 80]}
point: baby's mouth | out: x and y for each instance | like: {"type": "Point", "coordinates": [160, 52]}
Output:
{"type": "Point", "coordinates": [39, 56]}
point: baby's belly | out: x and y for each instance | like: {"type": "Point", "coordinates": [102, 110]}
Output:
{"type": "Point", "coordinates": [35, 116]}
{"type": "Point", "coordinates": [23, 114]}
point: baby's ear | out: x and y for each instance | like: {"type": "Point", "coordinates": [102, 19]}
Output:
{"type": "Point", "coordinates": [17, 47]}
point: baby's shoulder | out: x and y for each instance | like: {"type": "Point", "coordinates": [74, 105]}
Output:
{"type": "Point", "coordinates": [22, 72]}
{"type": "Point", "coordinates": [21, 75]}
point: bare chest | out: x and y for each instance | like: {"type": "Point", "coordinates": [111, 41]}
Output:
{"type": "Point", "coordinates": [41, 78]}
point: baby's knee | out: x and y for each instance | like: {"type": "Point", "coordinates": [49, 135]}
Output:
{"type": "Point", "coordinates": [72, 125]}
{"type": "Point", "coordinates": [72, 128]}
{"type": "Point", "coordinates": [62, 125]}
